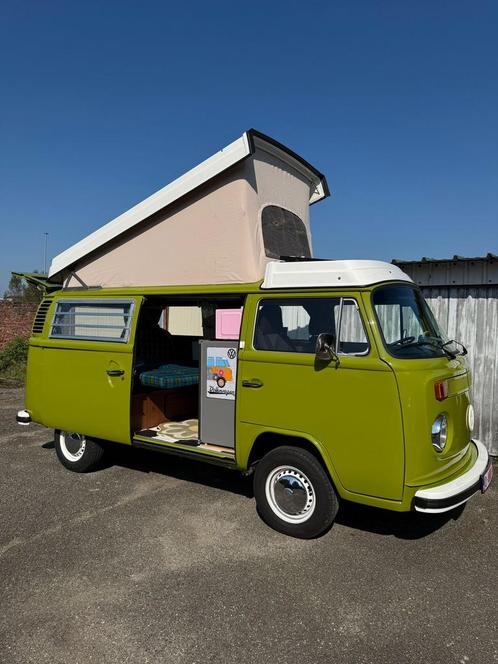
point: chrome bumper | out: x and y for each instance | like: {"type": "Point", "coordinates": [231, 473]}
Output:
{"type": "Point", "coordinates": [447, 496]}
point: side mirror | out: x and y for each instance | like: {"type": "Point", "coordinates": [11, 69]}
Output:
{"type": "Point", "coordinates": [324, 349]}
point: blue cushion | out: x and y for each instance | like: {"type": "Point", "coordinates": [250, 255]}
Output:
{"type": "Point", "coordinates": [170, 377]}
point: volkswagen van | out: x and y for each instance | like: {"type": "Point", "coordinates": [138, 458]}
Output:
{"type": "Point", "coordinates": [345, 387]}
{"type": "Point", "coordinates": [197, 323]}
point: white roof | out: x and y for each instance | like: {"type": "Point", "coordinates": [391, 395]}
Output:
{"type": "Point", "coordinates": [309, 274]}
{"type": "Point", "coordinates": [208, 169]}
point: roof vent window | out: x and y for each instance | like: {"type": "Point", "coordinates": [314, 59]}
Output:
{"type": "Point", "coordinates": [284, 234]}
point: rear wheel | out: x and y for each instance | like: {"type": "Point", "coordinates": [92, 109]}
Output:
{"type": "Point", "coordinates": [77, 452]}
{"type": "Point", "coordinates": [294, 494]}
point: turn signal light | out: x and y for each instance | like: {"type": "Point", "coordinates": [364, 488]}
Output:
{"type": "Point", "coordinates": [441, 390]}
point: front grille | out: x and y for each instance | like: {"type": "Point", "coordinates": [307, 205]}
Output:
{"type": "Point", "coordinates": [41, 314]}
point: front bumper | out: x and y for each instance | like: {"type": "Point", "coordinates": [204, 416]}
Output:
{"type": "Point", "coordinates": [447, 496]}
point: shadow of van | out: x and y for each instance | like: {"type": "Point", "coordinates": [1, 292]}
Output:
{"type": "Point", "coordinates": [402, 525]}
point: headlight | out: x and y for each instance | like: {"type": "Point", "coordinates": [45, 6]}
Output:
{"type": "Point", "coordinates": [470, 417]}
{"type": "Point", "coordinates": [439, 433]}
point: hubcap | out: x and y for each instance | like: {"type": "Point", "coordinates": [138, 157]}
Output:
{"type": "Point", "coordinates": [290, 494]}
{"type": "Point", "coordinates": [72, 445]}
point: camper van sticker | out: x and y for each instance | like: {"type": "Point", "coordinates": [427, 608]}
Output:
{"type": "Point", "coordinates": [221, 373]}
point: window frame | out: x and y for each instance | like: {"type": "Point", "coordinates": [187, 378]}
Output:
{"type": "Point", "coordinates": [95, 303]}
{"type": "Point", "coordinates": [338, 339]}
{"type": "Point", "coordinates": [276, 298]}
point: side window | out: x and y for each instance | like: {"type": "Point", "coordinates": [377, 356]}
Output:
{"type": "Point", "coordinates": [284, 234]}
{"type": "Point", "coordinates": [94, 320]}
{"type": "Point", "coordinates": [293, 325]}
{"type": "Point", "coordinates": [352, 338]}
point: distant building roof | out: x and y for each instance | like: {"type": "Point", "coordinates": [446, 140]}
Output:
{"type": "Point", "coordinates": [456, 271]}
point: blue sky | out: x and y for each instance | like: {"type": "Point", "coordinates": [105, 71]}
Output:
{"type": "Point", "coordinates": [103, 103]}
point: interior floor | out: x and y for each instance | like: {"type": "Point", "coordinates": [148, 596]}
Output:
{"type": "Point", "coordinates": [173, 431]}
{"type": "Point", "coordinates": [184, 432]}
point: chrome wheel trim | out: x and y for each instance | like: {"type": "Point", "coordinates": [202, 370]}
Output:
{"type": "Point", "coordinates": [72, 445]}
{"type": "Point", "coordinates": [290, 494]}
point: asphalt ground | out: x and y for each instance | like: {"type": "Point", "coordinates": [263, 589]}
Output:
{"type": "Point", "coordinates": [156, 559]}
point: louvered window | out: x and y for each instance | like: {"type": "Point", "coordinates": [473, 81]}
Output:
{"type": "Point", "coordinates": [40, 316]}
{"type": "Point", "coordinates": [92, 320]}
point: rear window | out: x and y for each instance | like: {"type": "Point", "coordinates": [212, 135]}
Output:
{"type": "Point", "coordinates": [95, 321]}
{"type": "Point", "coordinates": [284, 234]}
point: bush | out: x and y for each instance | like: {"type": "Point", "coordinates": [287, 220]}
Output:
{"type": "Point", "coordinates": [13, 358]}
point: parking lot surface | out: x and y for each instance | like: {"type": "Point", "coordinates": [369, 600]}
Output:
{"type": "Point", "coordinates": [156, 559]}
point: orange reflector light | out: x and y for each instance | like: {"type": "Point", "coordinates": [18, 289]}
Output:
{"type": "Point", "coordinates": [441, 390]}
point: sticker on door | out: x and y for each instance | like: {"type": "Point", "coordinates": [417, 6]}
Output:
{"type": "Point", "coordinates": [221, 373]}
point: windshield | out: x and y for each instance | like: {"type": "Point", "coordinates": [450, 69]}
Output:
{"type": "Point", "coordinates": [407, 324]}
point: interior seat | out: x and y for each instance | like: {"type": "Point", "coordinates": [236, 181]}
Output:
{"type": "Point", "coordinates": [270, 331]}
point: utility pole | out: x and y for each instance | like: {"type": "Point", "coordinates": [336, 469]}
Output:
{"type": "Point", "coordinates": [45, 254]}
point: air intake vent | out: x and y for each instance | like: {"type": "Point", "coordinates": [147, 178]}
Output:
{"type": "Point", "coordinates": [41, 314]}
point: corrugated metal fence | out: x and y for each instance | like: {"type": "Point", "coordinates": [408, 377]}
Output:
{"type": "Point", "coordinates": [470, 315]}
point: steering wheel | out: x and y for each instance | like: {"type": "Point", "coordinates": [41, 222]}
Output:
{"type": "Point", "coordinates": [403, 341]}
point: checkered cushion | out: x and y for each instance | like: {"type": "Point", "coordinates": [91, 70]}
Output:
{"type": "Point", "coordinates": [170, 376]}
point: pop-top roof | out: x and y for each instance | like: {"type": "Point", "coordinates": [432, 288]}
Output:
{"type": "Point", "coordinates": [126, 223]}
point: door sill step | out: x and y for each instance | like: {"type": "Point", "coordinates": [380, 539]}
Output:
{"type": "Point", "coordinates": [194, 447]}
{"type": "Point", "coordinates": [155, 437]}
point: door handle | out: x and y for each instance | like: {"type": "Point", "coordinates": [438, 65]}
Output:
{"type": "Point", "coordinates": [255, 382]}
{"type": "Point", "coordinates": [115, 372]}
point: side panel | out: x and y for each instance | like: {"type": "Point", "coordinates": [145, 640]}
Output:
{"type": "Point", "coordinates": [352, 411]}
{"type": "Point", "coordinates": [69, 387]}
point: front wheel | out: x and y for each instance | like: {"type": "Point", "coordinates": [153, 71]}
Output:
{"type": "Point", "coordinates": [294, 494]}
{"type": "Point", "coordinates": [77, 452]}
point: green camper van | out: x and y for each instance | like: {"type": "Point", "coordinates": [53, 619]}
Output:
{"type": "Point", "coordinates": [333, 381]}
{"type": "Point", "coordinates": [346, 391]}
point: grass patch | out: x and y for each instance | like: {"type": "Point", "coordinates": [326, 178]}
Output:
{"type": "Point", "coordinates": [13, 359]}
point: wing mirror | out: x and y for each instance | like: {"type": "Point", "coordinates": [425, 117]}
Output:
{"type": "Point", "coordinates": [324, 349]}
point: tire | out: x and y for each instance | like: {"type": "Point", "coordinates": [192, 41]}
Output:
{"type": "Point", "coordinates": [81, 458]}
{"type": "Point", "coordinates": [221, 382]}
{"type": "Point", "coordinates": [293, 493]}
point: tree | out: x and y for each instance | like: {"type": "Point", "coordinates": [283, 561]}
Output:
{"type": "Point", "coordinates": [21, 291]}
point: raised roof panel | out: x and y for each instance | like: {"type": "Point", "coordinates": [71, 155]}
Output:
{"type": "Point", "coordinates": [321, 274]}
{"type": "Point", "coordinates": [203, 228]}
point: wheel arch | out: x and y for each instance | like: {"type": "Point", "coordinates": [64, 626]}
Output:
{"type": "Point", "coordinates": [267, 441]}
